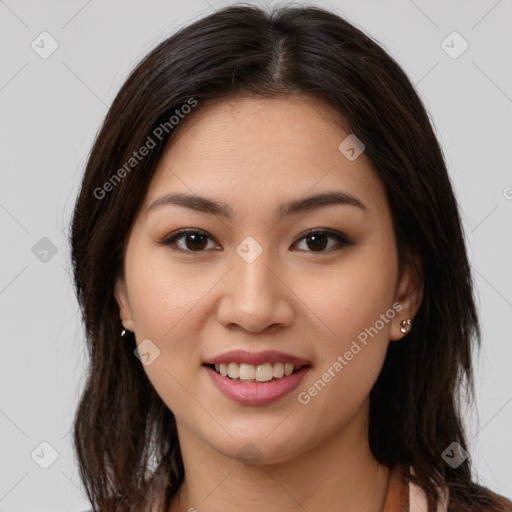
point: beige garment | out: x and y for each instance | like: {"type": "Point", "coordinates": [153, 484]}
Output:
{"type": "Point", "coordinates": [418, 501]}
{"type": "Point", "coordinates": [403, 497]}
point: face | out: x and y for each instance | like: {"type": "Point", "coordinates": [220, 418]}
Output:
{"type": "Point", "coordinates": [261, 265]}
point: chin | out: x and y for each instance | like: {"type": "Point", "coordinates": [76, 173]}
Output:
{"type": "Point", "coordinates": [261, 449]}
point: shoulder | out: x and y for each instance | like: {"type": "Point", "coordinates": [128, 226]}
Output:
{"type": "Point", "coordinates": [484, 500]}
{"type": "Point", "coordinates": [494, 502]}
{"type": "Point", "coordinates": [502, 504]}
{"type": "Point", "coordinates": [491, 503]}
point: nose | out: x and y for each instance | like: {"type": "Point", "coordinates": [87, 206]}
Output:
{"type": "Point", "coordinates": [256, 295]}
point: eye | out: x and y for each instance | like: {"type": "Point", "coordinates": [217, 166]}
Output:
{"type": "Point", "coordinates": [318, 240]}
{"type": "Point", "coordinates": [192, 240]}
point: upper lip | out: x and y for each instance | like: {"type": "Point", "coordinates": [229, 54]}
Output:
{"type": "Point", "coordinates": [256, 358]}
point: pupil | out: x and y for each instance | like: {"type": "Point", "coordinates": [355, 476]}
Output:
{"type": "Point", "coordinates": [316, 242]}
{"type": "Point", "coordinates": [198, 241]}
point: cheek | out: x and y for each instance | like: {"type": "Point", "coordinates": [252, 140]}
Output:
{"type": "Point", "coordinates": [164, 296]}
{"type": "Point", "coordinates": [351, 297]}
{"type": "Point", "coordinates": [356, 311]}
{"type": "Point", "coordinates": [164, 306]}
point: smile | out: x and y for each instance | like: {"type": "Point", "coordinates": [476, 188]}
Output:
{"type": "Point", "coordinates": [253, 392]}
{"type": "Point", "coordinates": [250, 373]}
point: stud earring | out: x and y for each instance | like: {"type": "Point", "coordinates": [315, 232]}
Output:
{"type": "Point", "coordinates": [405, 325]}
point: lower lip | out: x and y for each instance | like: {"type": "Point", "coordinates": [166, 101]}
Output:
{"type": "Point", "coordinates": [257, 393]}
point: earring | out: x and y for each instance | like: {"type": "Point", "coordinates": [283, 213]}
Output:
{"type": "Point", "coordinates": [405, 325]}
{"type": "Point", "coordinates": [124, 332]}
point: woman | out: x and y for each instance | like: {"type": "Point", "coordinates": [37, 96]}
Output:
{"type": "Point", "coordinates": [271, 267]}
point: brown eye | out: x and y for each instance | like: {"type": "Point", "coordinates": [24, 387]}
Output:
{"type": "Point", "coordinates": [195, 241]}
{"type": "Point", "coordinates": [318, 241]}
{"type": "Point", "coordinates": [189, 240]}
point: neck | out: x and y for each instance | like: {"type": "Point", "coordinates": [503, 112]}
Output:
{"type": "Point", "coordinates": [338, 474]}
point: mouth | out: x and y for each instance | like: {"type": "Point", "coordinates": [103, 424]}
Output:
{"type": "Point", "coordinates": [256, 379]}
{"type": "Point", "coordinates": [254, 392]}
{"type": "Point", "coordinates": [266, 372]}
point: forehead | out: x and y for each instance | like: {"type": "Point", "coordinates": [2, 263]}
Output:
{"type": "Point", "coordinates": [264, 149]}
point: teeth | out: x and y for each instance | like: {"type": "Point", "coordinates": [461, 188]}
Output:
{"type": "Point", "coordinates": [278, 370]}
{"type": "Point", "coordinates": [264, 372]}
{"type": "Point", "coordinates": [233, 371]}
{"type": "Point", "coordinates": [247, 371]}
{"type": "Point", "coordinates": [288, 369]}
{"type": "Point", "coordinates": [260, 373]}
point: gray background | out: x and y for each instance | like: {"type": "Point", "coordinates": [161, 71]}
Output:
{"type": "Point", "coordinates": [51, 110]}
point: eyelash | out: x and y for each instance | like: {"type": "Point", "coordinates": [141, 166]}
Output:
{"type": "Point", "coordinates": [342, 239]}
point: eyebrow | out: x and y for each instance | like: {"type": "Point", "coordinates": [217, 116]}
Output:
{"type": "Point", "coordinates": [220, 209]}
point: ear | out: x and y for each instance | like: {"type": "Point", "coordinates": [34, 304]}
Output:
{"type": "Point", "coordinates": [125, 312]}
{"type": "Point", "coordinates": [409, 294]}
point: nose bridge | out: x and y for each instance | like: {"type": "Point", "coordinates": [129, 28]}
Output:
{"type": "Point", "coordinates": [252, 273]}
{"type": "Point", "coordinates": [253, 296]}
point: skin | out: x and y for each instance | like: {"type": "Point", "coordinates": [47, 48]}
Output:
{"type": "Point", "coordinates": [255, 154]}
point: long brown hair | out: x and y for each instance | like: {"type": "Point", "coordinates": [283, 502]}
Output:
{"type": "Point", "coordinates": [125, 437]}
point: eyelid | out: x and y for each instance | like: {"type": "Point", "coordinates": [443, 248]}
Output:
{"type": "Point", "coordinates": [343, 240]}
{"type": "Point", "coordinates": [175, 235]}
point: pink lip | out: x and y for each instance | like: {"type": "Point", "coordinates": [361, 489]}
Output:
{"type": "Point", "coordinates": [255, 358]}
{"type": "Point", "coordinates": [257, 393]}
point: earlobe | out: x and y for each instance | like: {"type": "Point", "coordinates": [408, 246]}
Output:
{"type": "Point", "coordinates": [409, 295]}
{"type": "Point", "coordinates": [121, 295]}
